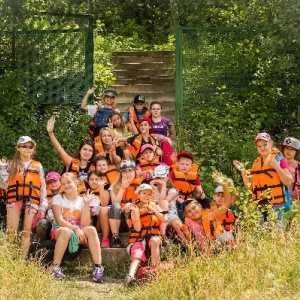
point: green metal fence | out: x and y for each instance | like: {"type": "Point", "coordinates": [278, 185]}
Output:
{"type": "Point", "coordinates": [53, 52]}
{"type": "Point", "coordinates": [239, 62]}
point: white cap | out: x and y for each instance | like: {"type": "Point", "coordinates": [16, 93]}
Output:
{"type": "Point", "coordinates": [160, 171]}
{"type": "Point", "coordinates": [142, 187]}
{"type": "Point", "coordinates": [219, 189]}
{"type": "Point", "coordinates": [25, 139]}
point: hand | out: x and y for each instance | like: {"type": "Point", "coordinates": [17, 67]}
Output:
{"type": "Point", "coordinates": [125, 182]}
{"type": "Point", "coordinates": [238, 165]}
{"type": "Point", "coordinates": [50, 124]}
{"type": "Point", "coordinates": [158, 151]}
{"type": "Point", "coordinates": [102, 183]}
{"type": "Point", "coordinates": [80, 236]}
{"type": "Point", "coordinates": [88, 197]}
{"type": "Point", "coordinates": [274, 163]}
{"type": "Point", "coordinates": [91, 91]}
{"type": "Point", "coordinates": [155, 182]}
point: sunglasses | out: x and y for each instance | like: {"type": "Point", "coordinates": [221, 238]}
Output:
{"type": "Point", "coordinates": [26, 147]}
{"type": "Point", "coordinates": [109, 97]}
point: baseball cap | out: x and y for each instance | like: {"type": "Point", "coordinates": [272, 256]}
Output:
{"type": "Point", "coordinates": [148, 120]}
{"type": "Point", "coordinates": [146, 146]}
{"type": "Point", "coordinates": [185, 154]}
{"type": "Point", "coordinates": [291, 142]}
{"type": "Point", "coordinates": [219, 189]}
{"type": "Point", "coordinates": [25, 139]}
{"type": "Point", "coordinates": [263, 136]}
{"type": "Point", "coordinates": [52, 176]}
{"type": "Point", "coordinates": [142, 187]}
{"type": "Point", "coordinates": [160, 171]}
{"type": "Point", "coordinates": [139, 99]}
{"type": "Point", "coordinates": [110, 90]}
{"type": "Point", "coordinates": [127, 164]}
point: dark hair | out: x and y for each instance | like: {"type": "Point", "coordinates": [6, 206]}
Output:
{"type": "Point", "coordinates": [93, 172]}
{"type": "Point", "coordinates": [155, 102]}
{"type": "Point", "coordinates": [82, 144]}
{"type": "Point", "coordinates": [101, 157]}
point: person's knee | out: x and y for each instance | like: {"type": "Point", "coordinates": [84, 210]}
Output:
{"type": "Point", "coordinates": [90, 231]}
{"type": "Point", "coordinates": [64, 233]}
{"type": "Point", "coordinates": [176, 224]}
{"type": "Point", "coordinates": [155, 241]}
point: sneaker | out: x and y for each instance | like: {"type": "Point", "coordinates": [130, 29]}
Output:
{"type": "Point", "coordinates": [129, 280]}
{"type": "Point", "coordinates": [116, 242]}
{"type": "Point", "coordinates": [105, 243]}
{"type": "Point", "coordinates": [98, 275]}
{"type": "Point", "coordinates": [58, 274]}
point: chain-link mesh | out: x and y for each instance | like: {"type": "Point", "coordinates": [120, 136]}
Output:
{"type": "Point", "coordinates": [211, 61]}
{"type": "Point", "coordinates": [54, 54]}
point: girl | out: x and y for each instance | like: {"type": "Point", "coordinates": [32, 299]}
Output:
{"type": "Point", "coordinates": [145, 217]}
{"type": "Point", "coordinates": [106, 145]}
{"type": "Point", "coordinates": [26, 191]}
{"type": "Point", "coordinates": [99, 204]}
{"type": "Point", "coordinates": [116, 123]}
{"type": "Point", "coordinates": [269, 175]}
{"type": "Point", "coordinates": [82, 163]}
{"type": "Point", "coordinates": [162, 126]}
{"type": "Point", "coordinates": [71, 226]}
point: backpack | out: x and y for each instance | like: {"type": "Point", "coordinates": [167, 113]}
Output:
{"type": "Point", "coordinates": [99, 120]}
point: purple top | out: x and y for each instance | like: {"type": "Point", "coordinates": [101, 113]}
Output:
{"type": "Point", "coordinates": [162, 127]}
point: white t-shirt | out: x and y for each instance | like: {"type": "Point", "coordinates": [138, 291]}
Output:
{"type": "Point", "coordinates": [71, 210]}
{"type": "Point", "coordinates": [172, 214]}
{"type": "Point", "coordinates": [91, 110]}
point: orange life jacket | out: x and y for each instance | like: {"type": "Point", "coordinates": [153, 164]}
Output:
{"type": "Point", "coordinates": [75, 166]}
{"type": "Point", "coordinates": [266, 183]}
{"type": "Point", "coordinates": [25, 187]}
{"type": "Point", "coordinates": [135, 147]}
{"type": "Point", "coordinates": [131, 112]}
{"type": "Point", "coordinates": [211, 226]}
{"type": "Point", "coordinates": [51, 194]}
{"type": "Point", "coordinates": [112, 175]}
{"type": "Point", "coordinates": [147, 166]}
{"type": "Point", "coordinates": [129, 194]}
{"type": "Point", "coordinates": [227, 220]}
{"type": "Point", "coordinates": [100, 149]}
{"type": "Point", "coordinates": [185, 183]}
{"type": "Point", "coordinates": [149, 224]}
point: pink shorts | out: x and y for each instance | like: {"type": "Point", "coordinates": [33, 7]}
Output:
{"type": "Point", "coordinates": [19, 205]}
{"type": "Point", "coordinates": [52, 233]}
{"type": "Point", "coordinates": [137, 250]}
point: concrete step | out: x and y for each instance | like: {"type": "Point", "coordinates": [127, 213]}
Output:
{"type": "Point", "coordinates": [155, 73]}
{"type": "Point", "coordinates": [146, 80]}
{"type": "Point", "coordinates": [123, 237]}
{"type": "Point", "coordinates": [141, 57]}
{"type": "Point", "coordinates": [146, 88]}
{"type": "Point", "coordinates": [145, 66]}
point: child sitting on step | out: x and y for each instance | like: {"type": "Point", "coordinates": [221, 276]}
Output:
{"type": "Point", "coordinates": [144, 220]}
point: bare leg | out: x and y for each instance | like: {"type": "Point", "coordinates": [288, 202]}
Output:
{"type": "Point", "coordinates": [102, 222]}
{"type": "Point", "coordinates": [164, 204]}
{"type": "Point", "coordinates": [28, 220]}
{"type": "Point", "coordinates": [155, 243]}
{"type": "Point", "coordinates": [12, 220]}
{"type": "Point", "coordinates": [62, 237]}
{"type": "Point", "coordinates": [176, 225]}
{"type": "Point", "coordinates": [94, 243]}
{"type": "Point", "coordinates": [114, 226]}
{"type": "Point", "coordinates": [134, 266]}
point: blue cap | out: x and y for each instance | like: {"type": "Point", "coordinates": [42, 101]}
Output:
{"type": "Point", "coordinates": [110, 90]}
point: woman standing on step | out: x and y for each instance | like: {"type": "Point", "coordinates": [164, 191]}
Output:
{"type": "Point", "coordinates": [72, 226]}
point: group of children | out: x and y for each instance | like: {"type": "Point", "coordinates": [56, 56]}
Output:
{"type": "Point", "coordinates": [118, 178]}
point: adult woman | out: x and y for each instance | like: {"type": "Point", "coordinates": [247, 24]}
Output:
{"type": "Point", "coordinates": [270, 177]}
{"type": "Point", "coordinates": [82, 163]}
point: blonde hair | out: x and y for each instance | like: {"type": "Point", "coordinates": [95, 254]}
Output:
{"type": "Point", "coordinates": [70, 175]}
{"type": "Point", "coordinates": [107, 129]}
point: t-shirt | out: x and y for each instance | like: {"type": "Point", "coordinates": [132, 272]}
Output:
{"type": "Point", "coordinates": [71, 210]}
{"type": "Point", "coordinates": [91, 110]}
{"type": "Point", "coordinates": [162, 126]}
{"type": "Point", "coordinates": [139, 115]}
{"type": "Point", "coordinates": [295, 194]}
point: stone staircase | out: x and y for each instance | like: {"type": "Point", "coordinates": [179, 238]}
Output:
{"type": "Point", "coordinates": [149, 73]}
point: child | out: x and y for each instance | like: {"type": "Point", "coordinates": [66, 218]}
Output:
{"type": "Point", "coordinates": [203, 222]}
{"type": "Point", "coordinates": [290, 149]}
{"type": "Point", "coordinates": [147, 162]}
{"type": "Point", "coordinates": [99, 113]}
{"type": "Point", "coordinates": [71, 226]}
{"type": "Point", "coordinates": [26, 191]}
{"type": "Point", "coordinates": [99, 204]}
{"type": "Point", "coordinates": [122, 192]}
{"type": "Point", "coordinates": [184, 175]}
{"type": "Point", "coordinates": [137, 141]}
{"type": "Point", "coordinates": [116, 123]}
{"type": "Point", "coordinates": [269, 175]}
{"type": "Point", "coordinates": [144, 220]}
{"type": "Point", "coordinates": [44, 226]}
{"type": "Point", "coordinates": [136, 111]}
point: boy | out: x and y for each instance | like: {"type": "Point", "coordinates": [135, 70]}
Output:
{"type": "Point", "coordinates": [136, 111]}
{"type": "Point", "coordinates": [147, 162]}
{"type": "Point", "coordinates": [290, 150]}
{"type": "Point", "coordinates": [184, 176]}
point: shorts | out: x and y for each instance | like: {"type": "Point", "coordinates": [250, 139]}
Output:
{"type": "Point", "coordinates": [19, 205]}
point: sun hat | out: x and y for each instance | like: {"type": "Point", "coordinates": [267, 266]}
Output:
{"type": "Point", "coordinates": [146, 146]}
{"type": "Point", "coordinates": [52, 176]}
{"type": "Point", "coordinates": [142, 187]}
{"type": "Point", "coordinates": [139, 99]}
{"type": "Point", "coordinates": [160, 171]}
{"type": "Point", "coordinates": [110, 90]}
{"type": "Point", "coordinates": [263, 136]}
{"type": "Point", "coordinates": [127, 164]}
{"type": "Point", "coordinates": [219, 189]}
{"type": "Point", "coordinates": [291, 142]}
{"type": "Point", "coordinates": [25, 139]}
{"type": "Point", "coordinates": [185, 154]}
